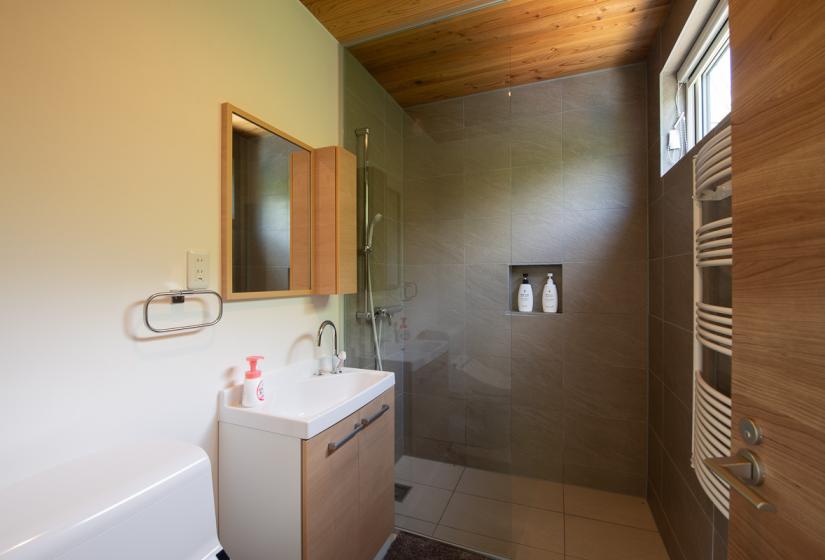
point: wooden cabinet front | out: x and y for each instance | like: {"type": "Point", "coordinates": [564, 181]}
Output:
{"type": "Point", "coordinates": [335, 235]}
{"type": "Point", "coordinates": [376, 476]}
{"type": "Point", "coordinates": [348, 488]}
{"type": "Point", "coordinates": [330, 494]}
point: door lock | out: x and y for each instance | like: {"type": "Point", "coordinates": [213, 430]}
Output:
{"type": "Point", "coordinates": [750, 431]}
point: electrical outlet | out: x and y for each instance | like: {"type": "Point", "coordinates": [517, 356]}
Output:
{"type": "Point", "coordinates": [197, 270]}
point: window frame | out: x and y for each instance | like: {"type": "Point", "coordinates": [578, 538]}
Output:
{"type": "Point", "coordinates": [706, 50]}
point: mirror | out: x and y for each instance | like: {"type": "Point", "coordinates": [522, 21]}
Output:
{"type": "Point", "coordinates": [266, 210]}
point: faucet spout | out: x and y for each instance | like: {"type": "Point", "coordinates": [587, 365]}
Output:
{"type": "Point", "coordinates": [323, 326]}
{"type": "Point", "coordinates": [339, 357]}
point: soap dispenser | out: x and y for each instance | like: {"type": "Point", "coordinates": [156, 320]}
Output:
{"type": "Point", "coordinates": [525, 295]}
{"type": "Point", "coordinates": [550, 296]}
{"type": "Point", "coordinates": [253, 384]}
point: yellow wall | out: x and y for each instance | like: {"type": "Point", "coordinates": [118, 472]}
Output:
{"type": "Point", "coordinates": [109, 168]}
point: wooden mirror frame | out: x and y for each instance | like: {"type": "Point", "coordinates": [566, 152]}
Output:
{"type": "Point", "coordinates": [301, 217]}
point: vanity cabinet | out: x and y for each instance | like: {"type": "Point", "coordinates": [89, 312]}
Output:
{"type": "Point", "coordinates": [335, 235]}
{"type": "Point", "coordinates": [348, 485]}
{"type": "Point", "coordinates": [287, 498]}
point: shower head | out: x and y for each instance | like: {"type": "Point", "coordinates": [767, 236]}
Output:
{"type": "Point", "coordinates": [370, 230]}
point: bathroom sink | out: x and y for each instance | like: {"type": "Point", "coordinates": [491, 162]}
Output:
{"type": "Point", "coordinates": [300, 404]}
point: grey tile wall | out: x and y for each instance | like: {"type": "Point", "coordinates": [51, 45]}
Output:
{"type": "Point", "coordinates": [691, 528]}
{"type": "Point", "coordinates": [553, 174]}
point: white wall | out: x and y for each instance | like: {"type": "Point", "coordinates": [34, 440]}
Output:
{"type": "Point", "coordinates": [110, 171]}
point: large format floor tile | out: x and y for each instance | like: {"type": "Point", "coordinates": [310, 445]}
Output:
{"type": "Point", "coordinates": [515, 489]}
{"type": "Point", "coordinates": [424, 503]}
{"type": "Point", "coordinates": [608, 506]}
{"type": "Point", "coordinates": [521, 518]}
{"type": "Point", "coordinates": [431, 473]}
{"type": "Point", "coordinates": [533, 527]}
{"type": "Point", "coordinates": [596, 540]}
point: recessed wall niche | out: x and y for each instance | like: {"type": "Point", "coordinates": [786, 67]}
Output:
{"type": "Point", "coordinates": [537, 275]}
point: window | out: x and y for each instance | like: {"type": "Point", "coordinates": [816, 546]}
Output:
{"type": "Point", "coordinates": [716, 90]}
{"type": "Point", "coordinates": [704, 80]}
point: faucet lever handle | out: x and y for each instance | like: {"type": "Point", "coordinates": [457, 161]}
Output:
{"type": "Point", "coordinates": [342, 356]}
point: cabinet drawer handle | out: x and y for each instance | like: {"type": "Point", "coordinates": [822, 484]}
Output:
{"type": "Point", "coordinates": [336, 445]}
{"type": "Point", "coordinates": [367, 421]}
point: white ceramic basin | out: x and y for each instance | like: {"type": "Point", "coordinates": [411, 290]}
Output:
{"type": "Point", "coordinates": [301, 404]}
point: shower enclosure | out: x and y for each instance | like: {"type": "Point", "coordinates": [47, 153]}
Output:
{"type": "Point", "coordinates": [394, 321]}
{"type": "Point", "coordinates": [499, 413]}
{"type": "Point", "coordinates": [372, 129]}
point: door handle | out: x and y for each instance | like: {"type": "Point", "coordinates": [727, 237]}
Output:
{"type": "Point", "coordinates": [742, 472]}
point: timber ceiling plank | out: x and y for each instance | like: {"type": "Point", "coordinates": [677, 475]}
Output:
{"type": "Point", "coordinates": [509, 43]}
{"type": "Point", "coordinates": [624, 28]}
{"type": "Point", "coordinates": [513, 21]}
{"type": "Point", "coordinates": [351, 21]}
{"type": "Point", "coordinates": [565, 64]}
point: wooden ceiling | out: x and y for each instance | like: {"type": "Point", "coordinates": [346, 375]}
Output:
{"type": "Point", "coordinates": [426, 50]}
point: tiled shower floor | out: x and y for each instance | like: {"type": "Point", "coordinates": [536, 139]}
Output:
{"type": "Point", "coordinates": [523, 518]}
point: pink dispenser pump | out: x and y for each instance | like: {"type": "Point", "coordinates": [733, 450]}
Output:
{"type": "Point", "coordinates": [253, 384]}
{"type": "Point", "coordinates": [253, 372]}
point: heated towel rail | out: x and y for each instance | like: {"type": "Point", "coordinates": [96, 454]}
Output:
{"type": "Point", "coordinates": [713, 323]}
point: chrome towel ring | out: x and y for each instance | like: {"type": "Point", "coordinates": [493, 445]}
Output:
{"type": "Point", "coordinates": [179, 296]}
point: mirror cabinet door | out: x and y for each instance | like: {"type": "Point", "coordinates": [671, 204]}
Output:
{"type": "Point", "coordinates": [266, 210]}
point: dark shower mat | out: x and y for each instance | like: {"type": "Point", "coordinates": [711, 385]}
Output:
{"type": "Point", "coordinates": [407, 546]}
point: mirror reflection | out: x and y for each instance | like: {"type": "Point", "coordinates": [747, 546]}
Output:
{"type": "Point", "coordinates": [270, 210]}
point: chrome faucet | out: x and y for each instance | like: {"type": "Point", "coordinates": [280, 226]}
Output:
{"type": "Point", "coordinates": [339, 357]}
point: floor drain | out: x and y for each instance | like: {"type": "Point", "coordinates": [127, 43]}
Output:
{"type": "Point", "coordinates": [401, 491]}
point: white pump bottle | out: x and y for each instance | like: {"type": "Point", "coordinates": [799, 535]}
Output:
{"type": "Point", "coordinates": [253, 384]}
{"type": "Point", "coordinates": [550, 296]}
{"type": "Point", "coordinates": [525, 295]}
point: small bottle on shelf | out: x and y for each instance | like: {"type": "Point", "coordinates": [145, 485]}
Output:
{"type": "Point", "coordinates": [550, 296]}
{"type": "Point", "coordinates": [525, 295]}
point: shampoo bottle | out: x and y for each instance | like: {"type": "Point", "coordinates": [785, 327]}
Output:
{"type": "Point", "coordinates": [550, 296]}
{"type": "Point", "coordinates": [525, 295]}
{"type": "Point", "coordinates": [253, 384]}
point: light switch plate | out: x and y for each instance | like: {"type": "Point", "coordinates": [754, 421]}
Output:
{"type": "Point", "coordinates": [197, 270]}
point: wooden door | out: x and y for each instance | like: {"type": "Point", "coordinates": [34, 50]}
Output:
{"type": "Point", "coordinates": [778, 53]}
{"type": "Point", "coordinates": [376, 466]}
{"type": "Point", "coordinates": [330, 510]}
